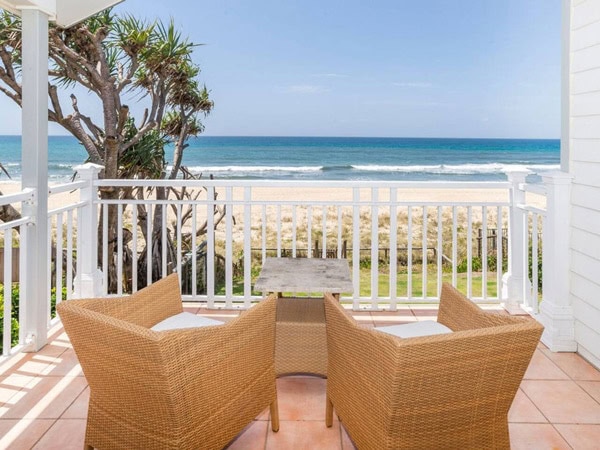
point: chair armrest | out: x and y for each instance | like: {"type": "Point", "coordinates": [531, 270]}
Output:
{"type": "Point", "coordinates": [145, 307]}
{"type": "Point", "coordinates": [459, 313]}
{"type": "Point", "coordinates": [228, 358]}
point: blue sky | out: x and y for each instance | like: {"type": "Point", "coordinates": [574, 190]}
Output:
{"type": "Point", "coordinates": [441, 68]}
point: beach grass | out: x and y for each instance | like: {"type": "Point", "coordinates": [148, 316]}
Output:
{"type": "Point", "coordinates": [402, 285]}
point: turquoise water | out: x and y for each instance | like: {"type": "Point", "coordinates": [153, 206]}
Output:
{"type": "Point", "coordinates": [329, 158]}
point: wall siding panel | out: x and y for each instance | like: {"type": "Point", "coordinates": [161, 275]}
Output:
{"type": "Point", "coordinates": [586, 197]}
{"type": "Point", "coordinates": [588, 150]}
{"type": "Point", "coordinates": [585, 59]}
{"type": "Point", "coordinates": [586, 127]}
{"type": "Point", "coordinates": [586, 173]}
{"type": "Point", "coordinates": [584, 13]}
{"type": "Point", "coordinates": [588, 81]}
{"type": "Point", "coordinates": [584, 158]}
{"type": "Point", "coordinates": [585, 242]}
{"type": "Point", "coordinates": [586, 104]}
{"type": "Point", "coordinates": [585, 218]}
{"type": "Point", "coordinates": [585, 37]}
{"type": "Point", "coordinates": [585, 265]}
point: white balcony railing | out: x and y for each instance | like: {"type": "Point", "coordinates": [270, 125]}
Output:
{"type": "Point", "coordinates": [401, 241]}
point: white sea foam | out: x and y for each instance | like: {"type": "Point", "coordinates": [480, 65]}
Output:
{"type": "Point", "coordinates": [459, 169]}
{"type": "Point", "coordinates": [256, 169]}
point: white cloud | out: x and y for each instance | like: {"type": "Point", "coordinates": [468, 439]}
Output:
{"type": "Point", "coordinates": [306, 89]}
{"type": "Point", "coordinates": [330, 75]}
{"type": "Point", "coordinates": [413, 84]}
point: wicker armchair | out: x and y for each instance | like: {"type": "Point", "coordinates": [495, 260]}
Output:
{"type": "Point", "coordinates": [193, 388]}
{"type": "Point", "coordinates": [444, 391]}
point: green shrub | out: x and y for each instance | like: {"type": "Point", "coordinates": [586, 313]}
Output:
{"type": "Point", "coordinates": [15, 312]}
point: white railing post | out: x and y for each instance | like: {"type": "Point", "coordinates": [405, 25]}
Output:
{"type": "Point", "coordinates": [88, 283]}
{"type": "Point", "coordinates": [515, 282]}
{"type": "Point", "coordinates": [556, 311]}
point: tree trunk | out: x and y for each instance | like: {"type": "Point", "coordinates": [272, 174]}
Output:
{"type": "Point", "coordinates": [8, 213]}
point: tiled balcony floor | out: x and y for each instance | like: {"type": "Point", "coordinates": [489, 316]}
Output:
{"type": "Point", "coordinates": [43, 400]}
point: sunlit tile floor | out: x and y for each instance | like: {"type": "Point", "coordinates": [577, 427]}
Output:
{"type": "Point", "coordinates": [44, 396]}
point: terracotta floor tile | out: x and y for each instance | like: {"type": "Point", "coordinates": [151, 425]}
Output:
{"type": "Point", "coordinates": [347, 443]}
{"type": "Point", "coordinates": [65, 364]}
{"type": "Point", "coordinates": [395, 322]}
{"type": "Point", "coordinates": [580, 437]}
{"type": "Point", "coordinates": [542, 368]}
{"type": "Point", "coordinates": [592, 388]}
{"type": "Point", "coordinates": [33, 364]}
{"type": "Point", "coordinates": [401, 310]}
{"type": "Point", "coordinates": [46, 398]}
{"type": "Point", "coordinates": [11, 384]}
{"type": "Point", "coordinates": [422, 312]}
{"type": "Point", "coordinates": [301, 398]}
{"type": "Point", "coordinates": [422, 318]}
{"type": "Point", "coordinates": [79, 408]}
{"type": "Point", "coordinates": [547, 393]}
{"type": "Point", "coordinates": [523, 410]}
{"type": "Point", "coordinates": [254, 437]}
{"type": "Point", "coordinates": [562, 401]}
{"type": "Point", "coordinates": [573, 365]}
{"type": "Point", "coordinates": [307, 435]}
{"type": "Point", "coordinates": [22, 434]}
{"type": "Point", "coordinates": [55, 347]}
{"type": "Point", "coordinates": [191, 309]}
{"type": "Point", "coordinates": [356, 314]}
{"type": "Point", "coordinates": [264, 415]}
{"type": "Point", "coordinates": [65, 434]}
{"type": "Point", "coordinates": [534, 436]}
{"type": "Point", "coordinates": [395, 319]}
{"type": "Point", "coordinates": [363, 319]}
{"type": "Point", "coordinates": [223, 316]}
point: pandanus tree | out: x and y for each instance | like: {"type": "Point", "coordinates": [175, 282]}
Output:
{"type": "Point", "coordinates": [115, 58]}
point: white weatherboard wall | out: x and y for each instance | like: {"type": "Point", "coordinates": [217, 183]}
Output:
{"type": "Point", "coordinates": [581, 129]}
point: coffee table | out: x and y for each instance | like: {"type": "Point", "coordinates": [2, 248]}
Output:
{"type": "Point", "coordinates": [301, 339]}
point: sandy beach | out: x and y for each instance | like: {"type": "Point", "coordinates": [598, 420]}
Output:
{"type": "Point", "coordinates": [319, 194]}
{"type": "Point", "coordinates": [292, 221]}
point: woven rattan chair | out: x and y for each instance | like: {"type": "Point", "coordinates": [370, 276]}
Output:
{"type": "Point", "coordinates": [193, 388]}
{"type": "Point", "coordinates": [444, 391]}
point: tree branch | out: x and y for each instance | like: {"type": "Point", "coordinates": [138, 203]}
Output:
{"type": "Point", "coordinates": [138, 136]}
{"type": "Point", "coordinates": [52, 93]}
{"type": "Point", "coordinates": [15, 97]}
{"type": "Point", "coordinates": [95, 130]}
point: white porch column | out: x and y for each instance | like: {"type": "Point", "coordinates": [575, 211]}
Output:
{"type": "Point", "coordinates": [515, 282]}
{"type": "Point", "coordinates": [556, 311]}
{"type": "Point", "coordinates": [88, 283]}
{"type": "Point", "coordinates": [35, 300]}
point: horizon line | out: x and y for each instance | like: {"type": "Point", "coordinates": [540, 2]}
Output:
{"type": "Point", "coordinates": [336, 137]}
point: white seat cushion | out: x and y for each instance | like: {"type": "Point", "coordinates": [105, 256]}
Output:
{"type": "Point", "coordinates": [416, 329]}
{"type": "Point", "coordinates": [184, 320]}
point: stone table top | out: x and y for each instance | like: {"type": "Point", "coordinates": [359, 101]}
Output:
{"type": "Point", "coordinates": [304, 275]}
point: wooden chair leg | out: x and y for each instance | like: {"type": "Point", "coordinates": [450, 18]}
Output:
{"type": "Point", "coordinates": [329, 413]}
{"type": "Point", "coordinates": [274, 416]}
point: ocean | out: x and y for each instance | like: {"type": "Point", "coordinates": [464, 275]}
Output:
{"type": "Point", "coordinates": [326, 158]}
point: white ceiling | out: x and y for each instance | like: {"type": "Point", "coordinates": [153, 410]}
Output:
{"type": "Point", "coordinates": [64, 12]}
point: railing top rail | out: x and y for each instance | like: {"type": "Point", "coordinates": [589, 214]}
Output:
{"type": "Point", "coordinates": [66, 187]}
{"type": "Point", "coordinates": [532, 209]}
{"type": "Point", "coordinates": [310, 184]}
{"type": "Point", "coordinates": [366, 202]}
{"type": "Point", "coordinates": [539, 189]}
{"type": "Point", "coordinates": [24, 195]}
{"type": "Point", "coordinates": [62, 209]}
{"type": "Point", "coordinates": [15, 223]}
